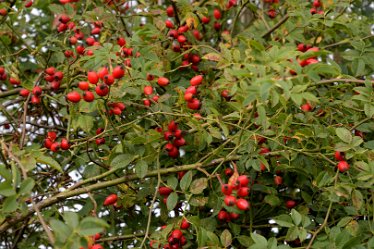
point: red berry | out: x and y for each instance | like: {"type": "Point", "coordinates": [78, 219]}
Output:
{"type": "Point", "coordinates": [194, 104]}
{"type": "Point", "coordinates": [191, 89]}
{"type": "Point", "coordinates": [88, 96]}
{"type": "Point", "coordinates": [90, 41]}
{"type": "Point", "coordinates": [278, 180]}
{"type": "Point", "coordinates": [217, 14]}
{"type": "Point", "coordinates": [24, 92]}
{"type": "Point", "coordinates": [217, 26]}
{"type": "Point", "coordinates": [80, 49]}
{"type": "Point", "coordinates": [102, 90]}
{"type": "Point", "coordinates": [181, 39]}
{"type": "Point", "coordinates": [339, 156]}
{"type": "Point", "coordinates": [97, 246]}
{"type": "Point", "coordinates": [306, 107]}
{"type": "Point", "coordinates": [35, 100]}
{"type": "Point", "coordinates": [73, 40]}
{"type": "Point", "coordinates": [50, 71]}
{"type": "Point", "coordinates": [109, 79]}
{"type": "Point", "coordinates": [83, 85]}
{"type": "Point", "coordinates": [110, 200]}
{"type": "Point", "coordinates": [243, 192]}
{"type": "Point", "coordinates": [272, 13]}
{"type": "Point", "coordinates": [48, 143]}
{"type": "Point", "coordinates": [172, 126]}
{"type": "Point", "coordinates": [121, 41]}
{"type": "Point", "coordinates": [179, 142]}
{"type": "Point", "coordinates": [264, 151]}
{"type": "Point", "coordinates": [170, 11]}
{"type": "Point", "coordinates": [118, 72]}
{"type": "Point", "coordinates": [185, 224]}
{"type": "Point", "coordinates": [230, 200]}
{"type": "Point", "coordinates": [226, 189]}
{"type": "Point", "coordinates": [169, 147]}
{"type": "Point", "coordinates": [223, 215]}
{"type": "Point", "coordinates": [55, 146]}
{"type": "Point", "coordinates": [147, 102]}
{"type": "Point", "coordinates": [234, 216]}
{"type": "Point", "coordinates": [243, 180]}
{"type": "Point", "coordinates": [164, 191]}
{"type": "Point", "coordinates": [65, 144]}
{"type": "Point", "coordinates": [148, 90]}
{"type": "Point", "coordinates": [205, 20]}
{"type": "Point", "coordinates": [169, 24]}
{"type": "Point", "coordinates": [196, 80]}
{"type": "Point", "coordinates": [176, 234]}
{"type": "Point", "coordinates": [102, 72]}
{"type": "Point", "coordinates": [168, 135]}
{"type": "Point", "coordinates": [37, 91]}
{"type": "Point", "coordinates": [174, 153]}
{"type": "Point", "coordinates": [242, 204]}
{"type": "Point", "coordinates": [100, 141]}
{"type": "Point", "coordinates": [162, 81]}
{"type": "Point", "coordinates": [290, 204]}
{"type": "Point", "coordinates": [3, 12]}
{"type": "Point", "coordinates": [343, 166]}
{"type": "Point", "coordinates": [316, 3]}
{"type": "Point", "coordinates": [188, 96]}
{"type": "Point", "coordinates": [73, 96]}
{"type": "Point", "coordinates": [229, 172]}
{"type": "Point", "coordinates": [92, 77]}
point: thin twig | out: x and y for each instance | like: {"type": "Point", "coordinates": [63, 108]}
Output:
{"type": "Point", "coordinates": [276, 26]}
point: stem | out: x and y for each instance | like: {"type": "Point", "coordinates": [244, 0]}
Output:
{"type": "Point", "coordinates": [276, 26]}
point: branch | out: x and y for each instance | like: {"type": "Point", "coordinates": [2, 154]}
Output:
{"type": "Point", "coordinates": [121, 237]}
{"type": "Point", "coordinates": [323, 82]}
{"type": "Point", "coordinates": [276, 26]}
{"type": "Point", "coordinates": [18, 217]}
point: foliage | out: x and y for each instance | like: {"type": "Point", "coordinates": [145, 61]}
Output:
{"type": "Point", "coordinates": [285, 94]}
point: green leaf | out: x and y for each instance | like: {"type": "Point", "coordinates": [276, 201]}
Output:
{"type": "Point", "coordinates": [172, 201]}
{"type": "Point", "coordinates": [6, 189]}
{"type": "Point", "coordinates": [226, 238]}
{"type": "Point", "coordinates": [344, 134]}
{"type": "Point", "coordinates": [344, 221]}
{"type": "Point", "coordinates": [369, 110]}
{"type": "Point", "coordinates": [10, 204]}
{"type": "Point", "coordinates": [91, 225]}
{"type": "Point", "coordinates": [186, 181]}
{"type": "Point", "coordinates": [26, 186]}
{"type": "Point", "coordinates": [260, 241]}
{"type": "Point", "coordinates": [296, 217]}
{"type": "Point", "coordinates": [71, 219]}
{"type": "Point", "coordinates": [357, 199]}
{"type": "Point", "coordinates": [60, 229]}
{"type": "Point", "coordinates": [40, 158]}
{"type": "Point", "coordinates": [244, 240]}
{"type": "Point", "coordinates": [284, 220]}
{"type": "Point", "coordinates": [141, 168]}
{"type": "Point", "coordinates": [122, 161]}
{"type": "Point", "coordinates": [292, 233]}
{"type": "Point", "coordinates": [272, 200]}
{"type": "Point", "coordinates": [198, 186]}
{"type": "Point", "coordinates": [28, 162]}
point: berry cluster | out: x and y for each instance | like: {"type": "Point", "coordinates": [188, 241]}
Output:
{"type": "Point", "coordinates": [53, 77]}
{"type": "Point", "coordinates": [307, 61]}
{"type": "Point", "coordinates": [192, 102]}
{"type": "Point", "coordinates": [92, 240]}
{"type": "Point", "coordinates": [342, 165]}
{"type": "Point", "coordinates": [235, 192]}
{"type": "Point", "coordinates": [100, 140]}
{"type": "Point", "coordinates": [3, 74]}
{"type": "Point", "coordinates": [316, 9]}
{"type": "Point", "coordinates": [176, 239]}
{"type": "Point", "coordinates": [175, 139]}
{"type": "Point", "coordinates": [51, 143]}
{"type": "Point", "coordinates": [148, 91]}
{"type": "Point", "coordinates": [116, 108]}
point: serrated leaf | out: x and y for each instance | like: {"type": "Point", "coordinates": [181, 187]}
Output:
{"type": "Point", "coordinates": [284, 220]}
{"type": "Point", "coordinates": [244, 240]}
{"type": "Point", "coordinates": [186, 181]}
{"type": "Point", "coordinates": [122, 161]}
{"type": "Point", "coordinates": [226, 238]}
{"type": "Point", "coordinates": [60, 229]}
{"type": "Point", "coordinates": [172, 201]}
{"type": "Point", "coordinates": [91, 225]}
{"type": "Point", "coordinates": [26, 186]}
{"type": "Point", "coordinates": [40, 158]}
{"type": "Point", "coordinates": [141, 168]}
{"type": "Point", "coordinates": [296, 217]}
{"type": "Point", "coordinates": [10, 204]}
{"type": "Point", "coordinates": [344, 134]}
{"type": "Point", "coordinates": [198, 186]}
{"type": "Point", "coordinates": [71, 219]}
{"type": "Point", "coordinates": [259, 240]}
